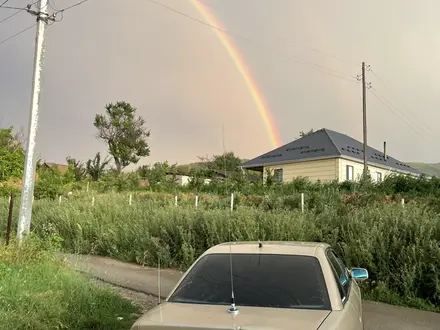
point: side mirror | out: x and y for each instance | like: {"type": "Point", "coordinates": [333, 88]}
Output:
{"type": "Point", "coordinates": [359, 274]}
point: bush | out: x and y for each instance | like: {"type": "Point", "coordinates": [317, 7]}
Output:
{"type": "Point", "coordinates": [399, 245]}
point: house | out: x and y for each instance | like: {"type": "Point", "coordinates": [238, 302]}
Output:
{"type": "Point", "coordinates": [183, 180]}
{"type": "Point", "coordinates": [61, 168]}
{"type": "Point", "coordinates": [327, 155]}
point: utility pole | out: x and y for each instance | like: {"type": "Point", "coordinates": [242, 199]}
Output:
{"type": "Point", "coordinates": [364, 111]}
{"type": "Point", "coordinates": [365, 86]}
{"type": "Point", "coordinates": [27, 190]}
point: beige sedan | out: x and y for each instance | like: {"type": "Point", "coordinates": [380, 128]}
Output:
{"type": "Point", "coordinates": [269, 285]}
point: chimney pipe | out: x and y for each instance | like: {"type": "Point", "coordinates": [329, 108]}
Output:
{"type": "Point", "coordinates": [385, 150]}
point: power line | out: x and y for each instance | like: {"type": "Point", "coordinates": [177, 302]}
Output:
{"type": "Point", "coordinates": [248, 40]}
{"type": "Point", "coordinates": [9, 7]}
{"type": "Point", "coordinates": [4, 3]}
{"type": "Point", "coordinates": [394, 109]}
{"type": "Point", "coordinates": [72, 6]}
{"type": "Point", "coordinates": [61, 11]}
{"type": "Point", "coordinates": [17, 34]}
{"type": "Point", "coordinates": [409, 110]}
{"type": "Point", "coordinates": [19, 10]}
{"type": "Point", "coordinates": [10, 16]}
{"type": "Point", "coordinates": [314, 49]}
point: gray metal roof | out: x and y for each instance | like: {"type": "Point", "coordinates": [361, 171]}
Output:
{"type": "Point", "coordinates": [326, 143]}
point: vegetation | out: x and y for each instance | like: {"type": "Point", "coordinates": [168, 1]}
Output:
{"type": "Point", "coordinates": [124, 134]}
{"type": "Point", "coordinates": [364, 221]}
{"type": "Point", "coordinates": [37, 291]}
{"type": "Point", "coordinates": [398, 244]}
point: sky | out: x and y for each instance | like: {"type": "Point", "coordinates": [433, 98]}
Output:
{"type": "Point", "coordinates": [304, 55]}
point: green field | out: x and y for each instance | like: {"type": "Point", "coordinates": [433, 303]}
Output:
{"type": "Point", "coordinates": [398, 244]}
{"type": "Point", "coordinates": [38, 292]}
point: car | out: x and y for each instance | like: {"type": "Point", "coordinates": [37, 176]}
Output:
{"type": "Point", "coordinates": [275, 285]}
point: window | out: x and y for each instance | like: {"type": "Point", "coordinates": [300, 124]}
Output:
{"type": "Point", "coordinates": [349, 173]}
{"type": "Point", "coordinates": [378, 176]}
{"type": "Point", "coordinates": [260, 280]}
{"type": "Point", "coordinates": [341, 274]}
{"type": "Point", "coordinates": [278, 175]}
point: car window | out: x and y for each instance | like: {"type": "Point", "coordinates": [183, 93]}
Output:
{"type": "Point", "coordinates": [340, 272]}
{"type": "Point", "coordinates": [260, 280]}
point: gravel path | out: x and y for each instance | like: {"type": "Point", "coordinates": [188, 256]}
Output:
{"type": "Point", "coordinates": [144, 301]}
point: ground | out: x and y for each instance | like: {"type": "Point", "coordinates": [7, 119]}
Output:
{"type": "Point", "coordinates": [139, 284]}
{"type": "Point", "coordinates": [143, 300]}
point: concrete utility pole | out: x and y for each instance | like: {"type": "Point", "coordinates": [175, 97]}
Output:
{"type": "Point", "coordinates": [365, 86]}
{"type": "Point", "coordinates": [27, 190]}
{"type": "Point", "coordinates": [364, 111]}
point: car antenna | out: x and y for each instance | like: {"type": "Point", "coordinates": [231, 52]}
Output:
{"type": "Point", "coordinates": [260, 244]}
{"type": "Point", "coordinates": [232, 309]}
{"type": "Point", "coordinates": [158, 278]}
{"type": "Point", "coordinates": [158, 287]}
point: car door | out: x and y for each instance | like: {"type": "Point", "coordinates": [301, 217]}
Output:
{"type": "Point", "coordinates": [351, 315]}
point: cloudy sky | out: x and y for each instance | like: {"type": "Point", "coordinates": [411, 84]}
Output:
{"type": "Point", "coordinates": [302, 54]}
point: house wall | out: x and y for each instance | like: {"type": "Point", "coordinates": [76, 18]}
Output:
{"type": "Point", "coordinates": [183, 180]}
{"type": "Point", "coordinates": [324, 170]}
{"type": "Point", "coordinates": [358, 168]}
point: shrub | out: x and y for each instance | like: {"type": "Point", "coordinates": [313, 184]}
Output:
{"type": "Point", "coordinates": [399, 245]}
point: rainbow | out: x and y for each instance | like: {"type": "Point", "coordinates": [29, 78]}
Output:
{"type": "Point", "coordinates": [250, 82]}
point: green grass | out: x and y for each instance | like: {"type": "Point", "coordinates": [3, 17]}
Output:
{"type": "Point", "coordinates": [38, 292]}
{"type": "Point", "coordinates": [398, 245]}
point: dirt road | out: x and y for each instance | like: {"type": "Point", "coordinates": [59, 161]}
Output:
{"type": "Point", "coordinates": [377, 316]}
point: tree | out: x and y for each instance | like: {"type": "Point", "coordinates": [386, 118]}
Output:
{"type": "Point", "coordinates": [77, 167]}
{"type": "Point", "coordinates": [159, 173]}
{"type": "Point", "coordinates": [12, 155]}
{"type": "Point", "coordinates": [124, 134]}
{"type": "Point", "coordinates": [302, 133]}
{"type": "Point", "coordinates": [95, 168]}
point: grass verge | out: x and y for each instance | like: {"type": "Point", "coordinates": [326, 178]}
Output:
{"type": "Point", "coordinates": [37, 291]}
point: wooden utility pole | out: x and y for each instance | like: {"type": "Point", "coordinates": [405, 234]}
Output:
{"type": "Point", "coordinates": [364, 110]}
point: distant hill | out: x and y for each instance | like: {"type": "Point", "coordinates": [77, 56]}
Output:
{"type": "Point", "coordinates": [429, 169]}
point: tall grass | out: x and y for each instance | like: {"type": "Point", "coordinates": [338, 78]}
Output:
{"type": "Point", "coordinates": [398, 245]}
{"type": "Point", "coordinates": [38, 292]}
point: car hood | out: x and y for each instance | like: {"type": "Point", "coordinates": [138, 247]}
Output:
{"type": "Point", "coordinates": [173, 316]}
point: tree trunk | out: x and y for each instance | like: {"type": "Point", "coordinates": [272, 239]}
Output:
{"type": "Point", "coordinates": [118, 165]}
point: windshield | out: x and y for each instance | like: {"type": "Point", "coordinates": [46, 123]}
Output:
{"type": "Point", "coordinates": [260, 280]}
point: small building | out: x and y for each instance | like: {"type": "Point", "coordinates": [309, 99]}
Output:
{"type": "Point", "coordinates": [327, 155]}
{"type": "Point", "coordinates": [60, 167]}
{"type": "Point", "coordinates": [183, 180]}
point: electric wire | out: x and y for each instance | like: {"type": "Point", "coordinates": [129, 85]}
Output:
{"type": "Point", "coordinates": [18, 10]}
{"type": "Point", "coordinates": [425, 127]}
{"type": "Point", "coordinates": [292, 41]}
{"type": "Point", "coordinates": [396, 111]}
{"type": "Point", "coordinates": [379, 96]}
{"type": "Point", "coordinates": [255, 43]}
{"type": "Point", "coordinates": [17, 34]}
{"type": "Point", "coordinates": [61, 11]}
{"type": "Point", "coordinates": [74, 5]}
{"type": "Point", "coordinates": [26, 8]}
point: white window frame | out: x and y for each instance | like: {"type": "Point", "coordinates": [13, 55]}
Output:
{"type": "Point", "coordinates": [379, 177]}
{"type": "Point", "coordinates": [277, 178]}
{"type": "Point", "coordinates": [347, 172]}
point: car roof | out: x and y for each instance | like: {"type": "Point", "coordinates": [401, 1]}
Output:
{"type": "Point", "coordinates": [270, 247]}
